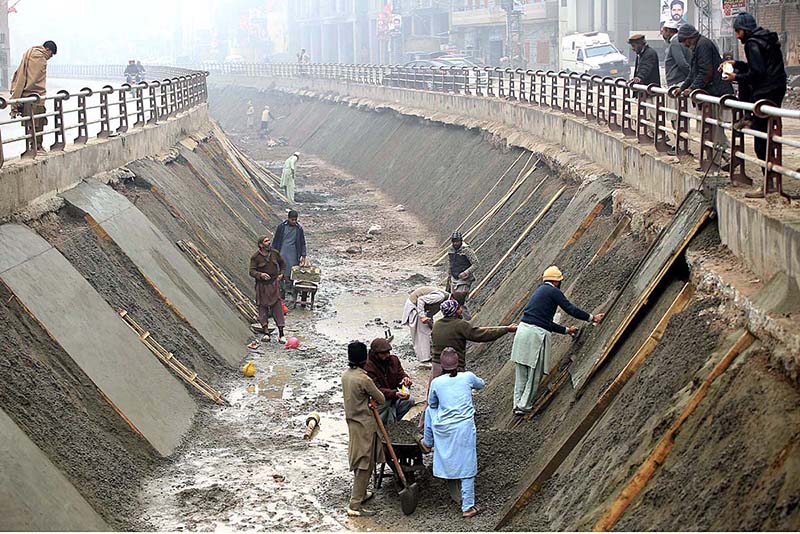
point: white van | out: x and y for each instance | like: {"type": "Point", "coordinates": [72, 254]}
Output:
{"type": "Point", "coordinates": [592, 53]}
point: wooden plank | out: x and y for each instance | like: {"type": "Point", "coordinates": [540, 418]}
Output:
{"type": "Point", "coordinates": [587, 222]}
{"type": "Point", "coordinates": [600, 407]}
{"type": "Point", "coordinates": [659, 454]}
{"type": "Point", "coordinates": [671, 242]}
{"type": "Point", "coordinates": [612, 238]}
{"type": "Point", "coordinates": [518, 242]}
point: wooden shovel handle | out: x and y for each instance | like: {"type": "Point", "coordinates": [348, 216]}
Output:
{"type": "Point", "coordinates": [397, 465]}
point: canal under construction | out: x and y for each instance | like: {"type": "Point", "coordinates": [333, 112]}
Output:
{"type": "Point", "coordinates": [126, 306]}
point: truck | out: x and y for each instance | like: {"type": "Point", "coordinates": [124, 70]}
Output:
{"type": "Point", "coordinates": [592, 53]}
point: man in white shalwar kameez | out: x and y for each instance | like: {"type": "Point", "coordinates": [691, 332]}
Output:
{"type": "Point", "coordinates": [420, 307]}
{"type": "Point", "coordinates": [288, 176]}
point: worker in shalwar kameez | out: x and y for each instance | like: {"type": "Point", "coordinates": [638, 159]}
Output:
{"type": "Point", "coordinates": [450, 430]}
{"type": "Point", "coordinates": [288, 176]}
{"type": "Point", "coordinates": [266, 268]}
{"type": "Point", "coordinates": [531, 350]}
{"type": "Point", "coordinates": [360, 392]}
{"type": "Point", "coordinates": [290, 241]}
{"type": "Point", "coordinates": [420, 307]}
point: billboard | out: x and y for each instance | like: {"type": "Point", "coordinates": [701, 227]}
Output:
{"type": "Point", "coordinates": [673, 10]}
{"type": "Point", "coordinates": [731, 8]}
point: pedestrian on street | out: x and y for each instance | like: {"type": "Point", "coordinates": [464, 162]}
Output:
{"type": "Point", "coordinates": [450, 430]}
{"type": "Point", "coordinates": [646, 72]}
{"type": "Point", "coordinates": [251, 114]}
{"type": "Point", "coordinates": [454, 332]}
{"type": "Point", "coordinates": [677, 58]}
{"type": "Point", "coordinates": [761, 77]}
{"type": "Point", "coordinates": [360, 395]}
{"type": "Point", "coordinates": [531, 350]}
{"type": "Point", "coordinates": [290, 241]}
{"type": "Point", "coordinates": [385, 369]}
{"type": "Point", "coordinates": [288, 176]}
{"type": "Point", "coordinates": [267, 268]}
{"type": "Point", "coordinates": [420, 307]}
{"type": "Point", "coordinates": [30, 79]}
{"type": "Point", "coordinates": [704, 74]}
{"type": "Point", "coordinates": [677, 63]}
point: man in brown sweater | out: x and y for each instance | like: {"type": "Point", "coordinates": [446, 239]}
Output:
{"type": "Point", "coordinates": [266, 268]}
{"type": "Point", "coordinates": [385, 369]}
{"type": "Point", "coordinates": [30, 79]}
{"type": "Point", "coordinates": [454, 332]}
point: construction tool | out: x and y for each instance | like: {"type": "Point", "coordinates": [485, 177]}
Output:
{"type": "Point", "coordinates": [409, 495]}
{"type": "Point", "coordinates": [312, 424]}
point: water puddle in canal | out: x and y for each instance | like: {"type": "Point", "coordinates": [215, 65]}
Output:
{"type": "Point", "coordinates": [357, 318]}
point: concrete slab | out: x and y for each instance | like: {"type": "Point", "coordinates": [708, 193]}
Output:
{"type": "Point", "coordinates": [146, 395]}
{"type": "Point", "coordinates": [34, 495]}
{"type": "Point", "coordinates": [694, 210]}
{"type": "Point", "coordinates": [160, 261]}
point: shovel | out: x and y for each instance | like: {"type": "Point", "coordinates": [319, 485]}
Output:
{"type": "Point", "coordinates": [409, 495]}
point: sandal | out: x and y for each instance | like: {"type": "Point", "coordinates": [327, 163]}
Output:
{"type": "Point", "coordinates": [472, 512]}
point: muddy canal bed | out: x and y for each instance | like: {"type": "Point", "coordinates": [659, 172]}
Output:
{"type": "Point", "coordinates": [247, 466]}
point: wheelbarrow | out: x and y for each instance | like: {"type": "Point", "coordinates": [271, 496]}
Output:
{"type": "Point", "coordinates": [305, 283]}
{"type": "Point", "coordinates": [409, 456]}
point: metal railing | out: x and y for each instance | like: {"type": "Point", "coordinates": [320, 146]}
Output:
{"type": "Point", "coordinates": [100, 113]}
{"type": "Point", "coordinates": [651, 114]}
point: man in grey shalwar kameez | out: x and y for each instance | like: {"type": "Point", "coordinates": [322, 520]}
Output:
{"type": "Point", "coordinates": [531, 350]}
{"type": "Point", "coordinates": [290, 241]}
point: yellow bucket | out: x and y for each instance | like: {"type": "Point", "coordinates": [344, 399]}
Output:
{"type": "Point", "coordinates": [249, 369]}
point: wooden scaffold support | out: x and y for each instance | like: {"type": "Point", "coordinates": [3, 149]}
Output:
{"type": "Point", "coordinates": [242, 303]}
{"type": "Point", "coordinates": [169, 359]}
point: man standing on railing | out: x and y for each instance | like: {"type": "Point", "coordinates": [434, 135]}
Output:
{"type": "Point", "coordinates": [705, 75]}
{"type": "Point", "coordinates": [646, 71]}
{"type": "Point", "coordinates": [761, 77]}
{"type": "Point", "coordinates": [30, 79]}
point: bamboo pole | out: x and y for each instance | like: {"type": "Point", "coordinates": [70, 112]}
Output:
{"type": "Point", "coordinates": [486, 196]}
{"type": "Point", "coordinates": [518, 208]}
{"type": "Point", "coordinates": [659, 454]}
{"type": "Point", "coordinates": [492, 212]}
{"type": "Point", "coordinates": [518, 242]}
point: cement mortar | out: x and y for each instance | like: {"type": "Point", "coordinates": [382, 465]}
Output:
{"type": "Point", "coordinates": [62, 412]}
{"type": "Point", "coordinates": [118, 281]}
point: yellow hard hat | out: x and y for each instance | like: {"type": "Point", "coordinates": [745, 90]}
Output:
{"type": "Point", "coordinates": [553, 274]}
{"type": "Point", "coordinates": [249, 369]}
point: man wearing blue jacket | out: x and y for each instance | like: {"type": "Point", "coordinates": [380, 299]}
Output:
{"type": "Point", "coordinates": [531, 349]}
{"type": "Point", "coordinates": [290, 240]}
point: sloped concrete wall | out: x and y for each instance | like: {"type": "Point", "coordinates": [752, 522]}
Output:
{"type": "Point", "coordinates": [34, 495]}
{"type": "Point", "coordinates": [139, 388]}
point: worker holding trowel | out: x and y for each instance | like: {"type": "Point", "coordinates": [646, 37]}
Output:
{"type": "Point", "coordinates": [359, 393]}
{"type": "Point", "coordinates": [385, 369]}
{"type": "Point", "coordinates": [531, 350]}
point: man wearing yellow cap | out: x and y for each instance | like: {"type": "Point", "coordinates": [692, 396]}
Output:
{"type": "Point", "coordinates": [531, 349]}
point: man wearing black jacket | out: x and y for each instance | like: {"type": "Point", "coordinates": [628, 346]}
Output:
{"type": "Point", "coordinates": [646, 71]}
{"type": "Point", "coordinates": [762, 76]}
{"type": "Point", "coordinates": [705, 75]}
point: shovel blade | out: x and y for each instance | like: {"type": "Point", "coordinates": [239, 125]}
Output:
{"type": "Point", "coordinates": [409, 498]}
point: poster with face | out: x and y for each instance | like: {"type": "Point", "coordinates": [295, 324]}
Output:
{"type": "Point", "coordinates": [673, 10]}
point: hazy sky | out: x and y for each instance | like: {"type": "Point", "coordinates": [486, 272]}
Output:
{"type": "Point", "coordinates": [95, 31]}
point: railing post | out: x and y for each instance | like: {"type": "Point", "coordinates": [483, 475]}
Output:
{"type": "Point", "coordinates": [738, 173]}
{"type": "Point", "coordinates": [773, 180]}
{"type": "Point", "coordinates": [660, 135]}
{"type": "Point", "coordinates": [83, 126]}
{"type": "Point", "coordinates": [628, 128]}
{"type": "Point", "coordinates": [105, 125]}
{"type": "Point", "coordinates": [164, 88]}
{"type": "Point", "coordinates": [590, 105]}
{"type": "Point", "coordinates": [123, 109]}
{"type": "Point", "coordinates": [706, 134]}
{"type": "Point", "coordinates": [489, 81]}
{"type": "Point", "coordinates": [139, 96]}
{"type": "Point", "coordinates": [566, 98]}
{"type": "Point", "coordinates": [681, 122]}
{"type": "Point", "coordinates": [512, 89]}
{"type": "Point", "coordinates": [501, 93]}
{"type": "Point", "coordinates": [154, 111]}
{"type": "Point", "coordinates": [60, 132]}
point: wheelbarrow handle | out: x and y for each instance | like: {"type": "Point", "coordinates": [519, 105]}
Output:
{"type": "Point", "coordinates": [396, 462]}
